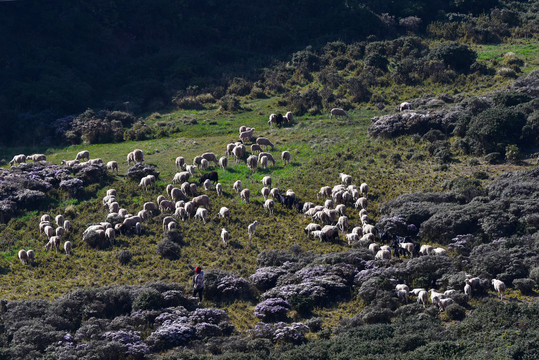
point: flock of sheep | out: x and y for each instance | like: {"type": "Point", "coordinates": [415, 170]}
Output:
{"type": "Point", "coordinates": [184, 203]}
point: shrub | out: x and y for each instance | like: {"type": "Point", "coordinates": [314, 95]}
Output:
{"type": "Point", "coordinates": [124, 257]}
{"type": "Point", "coordinates": [168, 249]}
{"type": "Point", "coordinates": [274, 258]}
{"type": "Point", "coordinates": [493, 158]}
{"type": "Point", "coordinates": [377, 61]}
{"type": "Point", "coordinates": [272, 309]}
{"type": "Point", "coordinates": [376, 315]}
{"type": "Point", "coordinates": [534, 274]}
{"type": "Point", "coordinates": [148, 299]}
{"type": "Point", "coordinates": [525, 285]}
{"type": "Point", "coordinates": [229, 103]}
{"type": "Point", "coordinates": [457, 56]}
{"type": "Point", "coordinates": [512, 153]}
{"type": "Point", "coordinates": [239, 86]}
{"type": "Point", "coordinates": [455, 312]}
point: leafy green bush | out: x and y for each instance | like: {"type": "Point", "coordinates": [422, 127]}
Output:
{"type": "Point", "coordinates": [169, 250]}
{"type": "Point", "coordinates": [148, 299]}
{"type": "Point", "coordinates": [455, 312]}
{"type": "Point", "coordinates": [525, 285]}
{"type": "Point", "coordinates": [457, 56]}
{"type": "Point", "coordinates": [124, 257]}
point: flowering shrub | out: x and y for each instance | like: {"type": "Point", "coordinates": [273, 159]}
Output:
{"type": "Point", "coordinates": [231, 288]}
{"type": "Point", "coordinates": [281, 332]}
{"type": "Point", "coordinates": [272, 309]}
{"type": "Point", "coordinates": [131, 339]}
{"type": "Point", "coordinates": [266, 277]}
{"type": "Point", "coordinates": [170, 334]}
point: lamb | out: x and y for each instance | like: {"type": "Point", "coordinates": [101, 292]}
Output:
{"type": "Point", "coordinates": [262, 141]}
{"type": "Point", "coordinates": [69, 163]}
{"type": "Point", "coordinates": [255, 148]}
{"type": "Point", "coordinates": [352, 238]}
{"type": "Point", "coordinates": [312, 227]}
{"type": "Point", "coordinates": [223, 162]}
{"type": "Point", "coordinates": [269, 205]}
{"type": "Point", "coordinates": [345, 179]}
{"type": "Point", "coordinates": [181, 177]}
{"type": "Point", "coordinates": [138, 156]}
{"type": "Point", "coordinates": [364, 189]}
{"type": "Point", "coordinates": [325, 191]}
{"type": "Point", "coordinates": [289, 117]}
{"type": "Point", "coordinates": [225, 236]}
{"type": "Point", "coordinates": [245, 194]}
{"type": "Point", "coordinates": [252, 163]}
{"type": "Point", "coordinates": [499, 286]}
{"type": "Point", "coordinates": [237, 186]}
{"type": "Point", "coordinates": [251, 229]}
{"type": "Point", "coordinates": [338, 112]}
{"type": "Point", "coordinates": [423, 297]}
{"type": "Point", "coordinates": [23, 257]}
{"type": "Point", "coordinates": [268, 155]}
{"type": "Point", "coordinates": [85, 154]}
{"type": "Point", "coordinates": [405, 106]}
{"type": "Point", "coordinates": [383, 255]}
{"type": "Point", "coordinates": [202, 200]}
{"type": "Point", "coordinates": [285, 156]}
{"type": "Point", "coordinates": [180, 162]}
{"type": "Point", "coordinates": [374, 248]}
{"type": "Point", "coordinates": [443, 303]}
{"type": "Point", "coordinates": [317, 234]}
{"type": "Point", "coordinates": [219, 189]}
{"type": "Point", "coordinates": [265, 192]}
{"type": "Point", "coordinates": [68, 247]}
{"type": "Point", "coordinates": [224, 212]}
{"type": "Point", "coordinates": [209, 156]}
{"type": "Point", "coordinates": [266, 181]}
{"type": "Point", "coordinates": [361, 202]}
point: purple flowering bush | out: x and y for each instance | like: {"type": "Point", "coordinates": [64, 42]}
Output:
{"type": "Point", "coordinates": [272, 309]}
{"type": "Point", "coordinates": [170, 334]}
{"type": "Point", "coordinates": [281, 332]}
{"type": "Point", "coordinates": [266, 277]}
{"type": "Point", "coordinates": [130, 339]}
{"type": "Point", "coordinates": [222, 286]}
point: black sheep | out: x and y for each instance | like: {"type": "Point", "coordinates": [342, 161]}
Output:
{"type": "Point", "coordinates": [213, 176]}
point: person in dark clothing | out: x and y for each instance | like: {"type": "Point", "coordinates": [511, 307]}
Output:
{"type": "Point", "coordinates": [198, 281]}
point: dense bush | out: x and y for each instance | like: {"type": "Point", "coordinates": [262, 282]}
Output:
{"type": "Point", "coordinates": [272, 309]}
{"type": "Point", "coordinates": [457, 56]}
{"type": "Point", "coordinates": [168, 249]}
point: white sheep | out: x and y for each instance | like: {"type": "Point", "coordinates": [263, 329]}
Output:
{"type": "Point", "coordinates": [275, 193]}
{"type": "Point", "coordinates": [114, 207]}
{"type": "Point", "coordinates": [341, 209]}
{"type": "Point", "coordinates": [383, 255]}
{"type": "Point", "coordinates": [230, 147]}
{"type": "Point", "coordinates": [367, 239]}
{"type": "Point", "coordinates": [329, 204]}
{"type": "Point", "coordinates": [352, 238]}
{"type": "Point", "coordinates": [358, 230]}
{"type": "Point", "coordinates": [225, 236]}
{"type": "Point", "coordinates": [60, 231]}
{"type": "Point", "coordinates": [223, 162]}
{"type": "Point", "coordinates": [443, 303]}
{"type": "Point", "coordinates": [264, 162]}
{"type": "Point", "coordinates": [68, 247]}
{"type": "Point", "coordinates": [150, 206]}
{"type": "Point", "coordinates": [167, 220]}
{"type": "Point", "coordinates": [269, 205]}
{"type": "Point", "coordinates": [45, 217]}
{"type": "Point", "coordinates": [312, 227]}
{"type": "Point", "coordinates": [374, 248]}
{"type": "Point", "coordinates": [49, 231]}
{"type": "Point", "coordinates": [138, 155]}
{"type": "Point", "coordinates": [207, 184]}
{"type": "Point", "coordinates": [405, 106]}
{"type": "Point", "coordinates": [85, 154]}
{"type": "Point", "coordinates": [338, 112]}
{"type": "Point", "coordinates": [364, 189]}
{"type": "Point", "coordinates": [170, 226]}
{"type": "Point", "coordinates": [224, 212]}
{"type": "Point", "coordinates": [440, 251]}
{"type": "Point", "coordinates": [189, 208]}
{"type": "Point", "coordinates": [219, 189]}
{"type": "Point", "coordinates": [130, 158]}
{"type": "Point", "coordinates": [59, 219]}
{"type": "Point", "coordinates": [190, 169]}
{"type": "Point", "coordinates": [255, 148]}
{"type": "Point", "coordinates": [181, 213]}
{"type": "Point", "coordinates": [342, 223]}
{"type": "Point", "coordinates": [201, 214]}
{"type": "Point", "coordinates": [409, 247]}
{"type": "Point", "coordinates": [325, 191]}
{"type": "Point", "coordinates": [426, 250]}
{"type": "Point", "coordinates": [251, 229]}
{"type": "Point", "coordinates": [402, 287]}
{"type": "Point", "coordinates": [434, 293]}
{"type": "Point", "coordinates": [266, 181]}
{"type": "Point", "coordinates": [237, 186]}
{"type": "Point", "coordinates": [247, 135]}
{"type": "Point", "coordinates": [245, 194]}
{"type": "Point", "coordinates": [361, 202]}
{"type": "Point", "coordinates": [416, 291]}
{"type": "Point", "coordinates": [262, 141]}
{"type": "Point", "coordinates": [23, 257]}
{"type": "Point", "coordinates": [252, 162]}
{"type": "Point", "coordinates": [31, 255]}
{"type": "Point", "coordinates": [204, 164]}
{"type": "Point", "coordinates": [167, 205]}
{"type": "Point", "coordinates": [181, 177]}
{"type": "Point", "coordinates": [180, 162]}
{"type": "Point", "coordinates": [42, 226]}
{"type": "Point", "coordinates": [97, 161]}
{"type": "Point", "coordinates": [289, 117]}
{"type": "Point", "coordinates": [146, 182]}
{"type": "Point", "coordinates": [402, 294]}
{"type": "Point", "coordinates": [345, 179]}
{"type": "Point", "coordinates": [37, 157]}
{"type": "Point", "coordinates": [238, 152]}
{"type": "Point", "coordinates": [70, 163]}
{"type": "Point", "coordinates": [265, 191]}
{"type": "Point", "coordinates": [423, 297]}
{"type": "Point", "coordinates": [499, 286]}
{"type": "Point", "coordinates": [285, 156]}
{"type": "Point", "coordinates": [110, 235]}
{"type": "Point", "coordinates": [54, 242]}
{"type": "Point", "coordinates": [468, 289]}
{"type": "Point", "coordinates": [210, 157]}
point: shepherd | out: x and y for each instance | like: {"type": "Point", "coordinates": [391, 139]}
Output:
{"type": "Point", "coordinates": [198, 281]}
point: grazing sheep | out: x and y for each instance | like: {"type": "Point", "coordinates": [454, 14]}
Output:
{"type": "Point", "coordinates": [409, 247]}
{"type": "Point", "coordinates": [402, 287]}
{"type": "Point", "coordinates": [238, 152]}
{"type": "Point", "coordinates": [285, 156]}
{"type": "Point", "coordinates": [341, 209]}
{"type": "Point", "coordinates": [338, 112]}
{"type": "Point", "coordinates": [31, 255]}
{"type": "Point", "coordinates": [181, 177]}
{"type": "Point", "coordinates": [368, 229]}
{"type": "Point", "coordinates": [325, 191]}
{"type": "Point", "coordinates": [255, 148]}
{"type": "Point", "coordinates": [317, 234]}
{"type": "Point", "coordinates": [275, 193]}
{"type": "Point", "coordinates": [45, 217]}
{"type": "Point", "coordinates": [108, 199]}
{"type": "Point", "coordinates": [269, 205]}
{"type": "Point", "coordinates": [138, 155]}
{"type": "Point", "coordinates": [67, 225]}
{"type": "Point", "coordinates": [423, 297]}
{"type": "Point", "coordinates": [268, 155]}
{"type": "Point", "coordinates": [37, 157]}
{"type": "Point", "coordinates": [144, 215]}
{"type": "Point", "coordinates": [230, 147]}
{"type": "Point", "coordinates": [403, 295]}
{"type": "Point", "coordinates": [367, 239]}
{"type": "Point", "coordinates": [69, 163]}
{"type": "Point", "coordinates": [97, 161]}
{"type": "Point", "coordinates": [264, 162]}
{"type": "Point", "coordinates": [49, 231]}
{"type": "Point", "coordinates": [330, 233]}
{"type": "Point", "coordinates": [68, 247]}
{"type": "Point", "coordinates": [291, 194]}
{"type": "Point", "coordinates": [272, 120]}
{"type": "Point", "coordinates": [499, 286]}
{"type": "Point", "coordinates": [167, 205]}
{"type": "Point", "coordinates": [223, 162]}
{"type": "Point", "coordinates": [42, 226]}
{"type": "Point", "coordinates": [150, 206]}
{"type": "Point", "coordinates": [405, 106]}
{"type": "Point", "coordinates": [450, 292]}
{"type": "Point", "coordinates": [225, 236]}
{"type": "Point", "coordinates": [167, 220]}
{"type": "Point", "coordinates": [443, 303]}
{"type": "Point", "coordinates": [266, 181]}
{"type": "Point", "coordinates": [440, 252]}
{"type": "Point", "coordinates": [307, 206]}
{"type": "Point", "coordinates": [245, 194]}
{"type": "Point", "coordinates": [181, 213]}
{"type": "Point", "coordinates": [60, 231]}
{"type": "Point", "coordinates": [361, 202]}
{"type": "Point", "coordinates": [345, 179]}
{"type": "Point", "coordinates": [321, 217]}
{"type": "Point", "coordinates": [468, 289]}
{"type": "Point", "coordinates": [190, 208]}
{"type": "Point", "coordinates": [146, 182]}
{"type": "Point", "coordinates": [209, 156]}
{"type": "Point", "coordinates": [265, 192]}
{"type": "Point", "coordinates": [193, 189]}
{"type": "Point", "coordinates": [180, 162]}
{"type": "Point", "coordinates": [329, 204]}
{"type": "Point", "coordinates": [262, 141]}
{"type": "Point", "coordinates": [358, 230]}
{"type": "Point", "coordinates": [247, 135]}
{"type": "Point", "coordinates": [312, 227]}
{"type": "Point", "coordinates": [251, 229]}
{"type": "Point", "coordinates": [176, 195]}
{"type": "Point", "coordinates": [342, 223]}
{"type": "Point", "coordinates": [352, 238]}
{"type": "Point", "coordinates": [416, 291]}
{"type": "Point", "coordinates": [243, 128]}
{"type": "Point", "coordinates": [114, 207]}
{"type": "Point", "coordinates": [224, 212]}
{"type": "Point", "coordinates": [59, 219]}
{"type": "Point", "coordinates": [190, 169]}
{"type": "Point", "coordinates": [113, 166]}
{"type": "Point", "coordinates": [364, 189]}
{"type": "Point", "coordinates": [204, 164]}
{"type": "Point", "coordinates": [383, 255]}
{"type": "Point", "coordinates": [23, 257]}
{"type": "Point", "coordinates": [252, 163]}
{"type": "Point", "coordinates": [123, 213]}
{"type": "Point", "coordinates": [54, 242]}
{"type": "Point", "coordinates": [130, 158]}
{"type": "Point", "coordinates": [374, 248]}
{"type": "Point", "coordinates": [85, 154]}
{"type": "Point", "coordinates": [434, 293]}
{"type": "Point", "coordinates": [159, 199]}
{"type": "Point", "coordinates": [186, 188]}
{"type": "Point", "coordinates": [202, 200]}
{"type": "Point", "coordinates": [207, 184]}
{"type": "Point", "coordinates": [237, 186]}
{"type": "Point", "coordinates": [219, 189]}
{"type": "Point", "coordinates": [426, 250]}
{"type": "Point", "coordinates": [289, 117]}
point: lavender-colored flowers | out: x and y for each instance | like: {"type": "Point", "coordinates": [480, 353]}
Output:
{"type": "Point", "coordinates": [272, 309]}
{"type": "Point", "coordinates": [281, 332]}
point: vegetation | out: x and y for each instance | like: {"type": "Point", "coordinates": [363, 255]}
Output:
{"type": "Point", "coordinates": [458, 171]}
